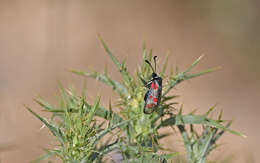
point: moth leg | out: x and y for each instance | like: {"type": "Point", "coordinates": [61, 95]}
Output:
{"type": "Point", "coordinates": [143, 81]}
{"type": "Point", "coordinates": [146, 95]}
{"type": "Point", "coordinates": [148, 84]}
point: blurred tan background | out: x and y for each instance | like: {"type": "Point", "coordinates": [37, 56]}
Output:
{"type": "Point", "coordinates": [41, 39]}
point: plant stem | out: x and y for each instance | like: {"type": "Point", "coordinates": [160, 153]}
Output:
{"type": "Point", "coordinates": [186, 142]}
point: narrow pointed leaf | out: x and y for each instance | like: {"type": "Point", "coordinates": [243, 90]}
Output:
{"type": "Point", "coordinates": [44, 104]}
{"type": "Point", "coordinates": [162, 73]}
{"type": "Point", "coordinates": [104, 113]}
{"type": "Point", "coordinates": [120, 89]}
{"type": "Point", "coordinates": [167, 98]}
{"type": "Point", "coordinates": [92, 111]}
{"type": "Point", "coordinates": [220, 115]}
{"type": "Point", "coordinates": [110, 53]}
{"type": "Point", "coordinates": [202, 73]}
{"type": "Point", "coordinates": [210, 110]}
{"type": "Point", "coordinates": [205, 148]}
{"type": "Point", "coordinates": [196, 119]}
{"type": "Point", "coordinates": [55, 131]}
{"type": "Point", "coordinates": [194, 63]}
{"type": "Point", "coordinates": [107, 130]}
{"type": "Point", "coordinates": [144, 49]}
{"type": "Point", "coordinates": [122, 69]}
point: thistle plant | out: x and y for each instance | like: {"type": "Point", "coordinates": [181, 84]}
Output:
{"type": "Point", "coordinates": [79, 135]}
{"type": "Point", "coordinates": [75, 128]}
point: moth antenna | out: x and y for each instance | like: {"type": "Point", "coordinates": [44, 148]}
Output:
{"type": "Point", "coordinates": [154, 59]}
{"type": "Point", "coordinates": [149, 65]}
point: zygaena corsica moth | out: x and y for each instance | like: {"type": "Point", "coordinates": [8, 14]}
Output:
{"type": "Point", "coordinates": [152, 97]}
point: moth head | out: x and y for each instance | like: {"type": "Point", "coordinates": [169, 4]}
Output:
{"type": "Point", "coordinates": [154, 75]}
{"type": "Point", "coordinates": [154, 69]}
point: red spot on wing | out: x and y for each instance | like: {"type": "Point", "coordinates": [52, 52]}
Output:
{"type": "Point", "coordinates": [155, 86]}
{"type": "Point", "coordinates": [150, 96]}
{"type": "Point", "coordinates": [149, 106]}
{"type": "Point", "coordinates": [152, 86]}
{"type": "Point", "coordinates": [154, 99]}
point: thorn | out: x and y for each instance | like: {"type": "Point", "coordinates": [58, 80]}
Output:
{"type": "Point", "coordinates": [220, 115]}
{"type": "Point", "coordinates": [194, 63]}
{"type": "Point", "coordinates": [180, 111]}
{"type": "Point", "coordinates": [210, 110]}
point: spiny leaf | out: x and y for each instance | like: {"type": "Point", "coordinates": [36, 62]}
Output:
{"type": "Point", "coordinates": [193, 132]}
{"type": "Point", "coordinates": [104, 132]}
{"type": "Point", "coordinates": [194, 64]}
{"type": "Point", "coordinates": [167, 98]}
{"type": "Point", "coordinates": [164, 135]}
{"type": "Point", "coordinates": [219, 126]}
{"type": "Point", "coordinates": [162, 73]}
{"type": "Point", "coordinates": [210, 110]}
{"type": "Point", "coordinates": [217, 136]}
{"type": "Point", "coordinates": [120, 89]}
{"type": "Point", "coordinates": [181, 76]}
{"type": "Point", "coordinates": [189, 76]}
{"type": "Point", "coordinates": [193, 111]}
{"type": "Point", "coordinates": [106, 114]}
{"type": "Point", "coordinates": [187, 141]}
{"type": "Point", "coordinates": [110, 147]}
{"type": "Point", "coordinates": [205, 148]}
{"type": "Point", "coordinates": [55, 131]}
{"type": "Point", "coordinates": [168, 156]}
{"type": "Point", "coordinates": [180, 111]}
{"type": "Point", "coordinates": [101, 112]}
{"type": "Point", "coordinates": [122, 69]}
{"type": "Point", "coordinates": [110, 53]}
{"type": "Point", "coordinates": [111, 117]}
{"type": "Point", "coordinates": [44, 104]}
{"type": "Point", "coordinates": [220, 115]}
{"type": "Point", "coordinates": [92, 111]}
{"type": "Point", "coordinates": [196, 119]}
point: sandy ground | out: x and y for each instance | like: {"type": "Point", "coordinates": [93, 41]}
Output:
{"type": "Point", "coordinates": [41, 40]}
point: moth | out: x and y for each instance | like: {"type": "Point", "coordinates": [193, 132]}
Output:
{"type": "Point", "coordinates": [152, 97]}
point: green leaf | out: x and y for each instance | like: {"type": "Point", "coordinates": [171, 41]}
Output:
{"type": "Point", "coordinates": [44, 104]}
{"type": "Point", "coordinates": [205, 148]}
{"type": "Point", "coordinates": [92, 111]}
{"type": "Point", "coordinates": [220, 115]}
{"type": "Point", "coordinates": [167, 98]}
{"type": "Point", "coordinates": [55, 131]}
{"type": "Point", "coordinates": [110, 147]}
{"type": "Point", "coordinates": [189, 76]}
{"type": "Point", "coordinates": [193, 64]}
{"type": "Point", "coordinates": [122, 69]}
{"type": "Point", "coordinates": [187, 141]}
{"type": "Point", "coordinates": [210, 110]}
{"type": "Point", "coordinates": [162, 73]}
{"type": "Point", "coordinates": [106, 114]}
{"type": "Point", "coordinates": [164, 135]}
{"type": "Point", "coordinates": [181, 76]}
{"type": "Point", "coordinates": [168, 156]}
{"type": "Point", "coordinates": [101, 112]}
{"type": "Point", "coordinates": [196, 119]}
{"type": "Point", "coordinates": [144, 49]}
{"type": "Point", "coordinates": [98, 136]}
{"type": "Point", "coordinates": [120, 89]}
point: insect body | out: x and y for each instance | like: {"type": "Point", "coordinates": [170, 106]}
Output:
{"type": "Point", "coordinates": [152, 97]}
